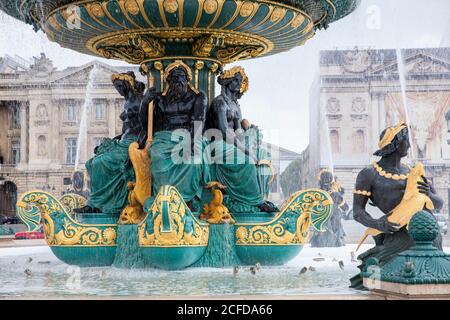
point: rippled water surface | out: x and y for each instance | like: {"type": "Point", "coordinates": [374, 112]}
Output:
{"type": "Point", "coordinates": [35, 272]}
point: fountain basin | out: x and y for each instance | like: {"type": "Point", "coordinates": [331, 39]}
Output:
{"type": "Point", "coordinates": [171, 237]}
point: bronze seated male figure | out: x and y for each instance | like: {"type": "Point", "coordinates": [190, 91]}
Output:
{"type": "Point", "coordinates": [177, 112]}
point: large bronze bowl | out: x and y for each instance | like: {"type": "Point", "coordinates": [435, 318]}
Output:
{"type": "Point", "coordinates": [141, 30]}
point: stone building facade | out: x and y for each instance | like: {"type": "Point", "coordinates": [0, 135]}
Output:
{"type": "Point", "coordinates": [358, 93]}
{"type": "Point", "coordinates": [41, 109]}
{"type": "Point", "coordinates": [40, 113]}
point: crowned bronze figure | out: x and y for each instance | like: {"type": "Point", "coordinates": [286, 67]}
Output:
{"type": "Point", "coordinates": [399, 191]}
{"type": "Point", "coordinates": [233, 148]}
{"type": "Point", "coordinates": [177, 112]}
{"type": "Point", "coordinates": [110, 169]}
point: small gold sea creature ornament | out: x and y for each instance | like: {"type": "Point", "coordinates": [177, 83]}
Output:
{"type": "Point", "coordinates": [412, 202]}
{"type": "Point", "coordinates": [215, 212]}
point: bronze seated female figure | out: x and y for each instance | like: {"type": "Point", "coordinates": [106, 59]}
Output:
{"type": "Point", "coordinates": [110, 170]}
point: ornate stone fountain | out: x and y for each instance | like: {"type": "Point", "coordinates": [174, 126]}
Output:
{"type": "Point", "coordinates": [197, 38]}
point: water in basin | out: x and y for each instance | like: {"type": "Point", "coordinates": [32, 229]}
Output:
{"type": "Point", "coordinates": [49, 277]}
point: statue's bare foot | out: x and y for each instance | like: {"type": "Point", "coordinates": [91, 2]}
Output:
{"type": "Point", "coordinates": [268, 206]}
{"type": "Point", "coordinates": [87, 209]}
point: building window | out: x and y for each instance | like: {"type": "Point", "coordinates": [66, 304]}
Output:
{"type": "Point", "coordinates": [334, 141]}
{"type": "Point", "coordinates": [71, 114]}
{"type": "Point", "coordinates": [100, 112]}
{"type": "Point", "coordinates": [15, 152]}
{"type": "Point", "coordinates": [15, 116]}
{"type": "Point", "coordinates": [71, 150]}
{"type": "Point", "coordinates": [359, 145]}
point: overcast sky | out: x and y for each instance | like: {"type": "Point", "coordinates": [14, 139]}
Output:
{"type": "Point", "coordinates": [278, 98]}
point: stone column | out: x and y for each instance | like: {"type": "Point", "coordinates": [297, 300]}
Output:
{"type": "Point", "coordinates": [382, 111]}
{"type": "Point", "coordinates": [23, 135]}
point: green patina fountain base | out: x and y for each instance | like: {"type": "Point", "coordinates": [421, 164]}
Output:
{"type": "Point", "coordinates": [421, 272]}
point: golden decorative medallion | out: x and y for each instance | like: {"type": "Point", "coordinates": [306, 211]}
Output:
{"type": "Point", "coordinates": [387, 175]}
{"type": "Point", "coordinates": [199, 65]}
{"type": "Point", "coordinates": [214, 67]}
{"type": "Point", "coordinates": [132, 7]}
{"type": "Point", "coordinates": [247, 9]}
{"type": "Point", "coordinates": [97, 10]}
{"type": "Point", "coordinates": [72, 201]}
{"type": "Point", "coordinates": [277, 14]}
{"type": "Point", "coordinates": [158, 65]}
{"type": "Point", "coordinates": [210, 6]}
{"type": "Point", "coordinates": [298, 21]}
{"type": "Point", "coordinates": [171, 6]}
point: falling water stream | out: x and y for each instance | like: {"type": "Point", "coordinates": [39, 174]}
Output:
{"type": "Point", "coordinates": [402, 78]}
{"type": "Point", "coordinates": [329, 154]}
{"type": "Point", "coordinates": [82, 135]}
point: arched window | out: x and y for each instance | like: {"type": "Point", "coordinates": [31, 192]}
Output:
{"type": "Point", "coordinates": [42, 146]}
{"type": "Point", "coordinates": [334, 141]}
{"type": "Point", "coordinates": [359, 141]}
{"type": "Point", "coordinates": [8, 198]}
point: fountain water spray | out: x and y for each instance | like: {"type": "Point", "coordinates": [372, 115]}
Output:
{"type": "Point", "coordinates": [402, 78]}
{"type": "Point", "coordinates": [83, 121]}
{"type": "Point", "coordinates": [330, 162]}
